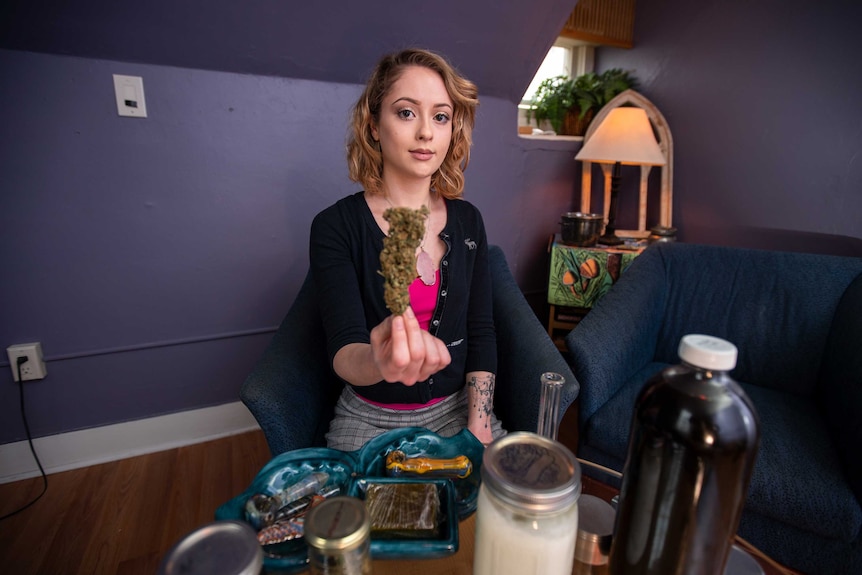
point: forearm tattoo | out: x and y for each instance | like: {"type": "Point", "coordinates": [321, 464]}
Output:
{"type": "Point", "coordinates": [482, 394]}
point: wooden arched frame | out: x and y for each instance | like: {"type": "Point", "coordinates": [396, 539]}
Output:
{"type": "Point", "coordinates": [665, 142]}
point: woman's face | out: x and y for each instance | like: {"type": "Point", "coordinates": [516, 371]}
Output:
{"type": "Point", "coordinates": [415, 126]}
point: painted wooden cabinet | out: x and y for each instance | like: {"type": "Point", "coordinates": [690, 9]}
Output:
{"type": "Point", "coordinates": [578, 277]}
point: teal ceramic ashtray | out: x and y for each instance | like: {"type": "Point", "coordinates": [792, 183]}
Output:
{"type": "Point", "coordinates": [346, 470]}
{"type": "Point", "coordinates": [418, 442]}
{"type": "Point", "coordinates": [444, 543]}
{"type": "Point", "coordinates": [282, 471]}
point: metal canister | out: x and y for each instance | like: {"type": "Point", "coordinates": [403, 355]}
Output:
{"type": "Point", "coordinates": [527, 512]}
{"type": "Point", "coordinates": [595, 532]}
{"type": "Point", "coordinates": [579, 229]}
{"type": "Point", "coordinates": [661, 234]}
{"type": "Point", "coordinates": [338, 535]}
{"type": "Point", "coordinates": [220, 548]}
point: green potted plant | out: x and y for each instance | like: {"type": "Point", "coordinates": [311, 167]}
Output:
{"type": "Point", "coordinates": [552, 101]}
{"type": "Point", "coordinates": [570, 104]}
{"type": "Point", "coordinates": [592, 91]}
{"type": "Point", "coordinates": [586, 89]}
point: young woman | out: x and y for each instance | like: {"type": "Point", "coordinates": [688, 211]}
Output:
{"type": "Point", "coordinates": [434, 365]}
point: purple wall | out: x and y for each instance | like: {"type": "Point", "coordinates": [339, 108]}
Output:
{"type": "Point", "coordinates": [123, 233]}
{"type": "Point", "coordinates": [763, 100]}
{"type": "Point", "coordinates": [499, 47]}
{"type": "Point", "coordinates": [153, 257]}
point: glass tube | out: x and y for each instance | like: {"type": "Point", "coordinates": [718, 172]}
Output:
{"type": "Point", "coordinates": [549, 405]}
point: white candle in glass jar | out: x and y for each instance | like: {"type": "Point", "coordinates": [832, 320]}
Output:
{"type": "Point", "coordinates": [527, 513]}
{"type": "Point", "coordinates": [512, 543]}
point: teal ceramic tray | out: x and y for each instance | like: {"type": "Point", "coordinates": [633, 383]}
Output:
{"type": "Point", "coordinates": [345, 469]}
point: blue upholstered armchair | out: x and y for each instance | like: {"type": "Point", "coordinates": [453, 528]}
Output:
{"type": "Point", "coordinates": [292, 389]}
{"type": "Point", "coordinates": [797, 321]}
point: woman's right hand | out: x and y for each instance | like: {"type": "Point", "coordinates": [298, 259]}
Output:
{"type": "Point", "coordinates": [404, 352]}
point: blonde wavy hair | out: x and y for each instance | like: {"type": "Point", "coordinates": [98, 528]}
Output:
{"type": "Point", "coordinates": [364, 160]}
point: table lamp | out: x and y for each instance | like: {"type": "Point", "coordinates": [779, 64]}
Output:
{"type": "Point", "coordinates": [625, 136]}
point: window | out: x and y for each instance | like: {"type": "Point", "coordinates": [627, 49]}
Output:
{"type": "Point", "coordinates": [557, 62]}
{"type": "Point", "coordinates": [567, 57]}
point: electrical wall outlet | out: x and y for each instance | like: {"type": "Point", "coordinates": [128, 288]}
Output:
{"type": "Point", "coordinates": [34, 367]}
{"type": "Point", "coordinates": [129, 92]}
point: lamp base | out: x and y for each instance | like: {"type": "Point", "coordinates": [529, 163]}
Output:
{"type": "Point", "coordinates": [609, 237]}
{"type": "Point", "coordinates": [609, 240]}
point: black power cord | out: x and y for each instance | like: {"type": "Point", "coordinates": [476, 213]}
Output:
{"type": "Point", "coordinates": [21, 360]}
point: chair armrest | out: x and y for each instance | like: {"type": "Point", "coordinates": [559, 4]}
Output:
{"type": "Point", "coordinates": [291, 391]}
{"type": "Point", "coordinates": [524, 352]}
{"type": "Point", "coordinates": [618, 336]}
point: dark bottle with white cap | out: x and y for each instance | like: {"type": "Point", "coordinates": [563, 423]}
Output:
{"type": "Point", "coordinates": [692, 446]}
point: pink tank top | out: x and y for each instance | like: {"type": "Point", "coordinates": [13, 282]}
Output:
{"type": "Point", "coordinates": [423, 299]}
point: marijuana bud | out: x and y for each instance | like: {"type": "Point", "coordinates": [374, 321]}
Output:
{"type": "Point", "coordinates": [398, 258]}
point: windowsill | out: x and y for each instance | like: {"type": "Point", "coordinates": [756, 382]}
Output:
{"type": "Point", "coordinates": [550, 143]}
{"type": "Point", "coordinates": [551, 137]}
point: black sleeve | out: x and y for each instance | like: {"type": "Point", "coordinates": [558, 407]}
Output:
{"type": "Point", "coordinates": [482, 347]}
{"type": "Point", "coordinates": [336, 279]}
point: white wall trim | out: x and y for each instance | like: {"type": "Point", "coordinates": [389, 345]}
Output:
{"type": "Point", "coordinates": [111, 442]}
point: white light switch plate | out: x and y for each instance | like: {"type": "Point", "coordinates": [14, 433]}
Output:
{"type": "Point", "coordinates": [129, 91]}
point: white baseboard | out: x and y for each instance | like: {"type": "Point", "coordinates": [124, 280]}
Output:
{"type": "Point", "coordinates": [111, 442]}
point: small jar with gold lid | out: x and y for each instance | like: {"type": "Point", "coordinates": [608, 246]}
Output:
{"type": "Point", "coordinates": [338, 535]}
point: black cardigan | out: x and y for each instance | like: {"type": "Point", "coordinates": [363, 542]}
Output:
{"type": "Point", "coordinates": [345, 258]}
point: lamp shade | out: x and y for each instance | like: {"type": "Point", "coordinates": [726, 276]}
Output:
{"type": "Point", "coordinates": [624, 136]}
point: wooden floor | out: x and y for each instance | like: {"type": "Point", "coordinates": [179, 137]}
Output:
{"type": "Point", "coordinates": [122, 517]}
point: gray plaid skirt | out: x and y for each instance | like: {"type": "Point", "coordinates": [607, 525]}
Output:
{"type": "Point", "coordinates": [356, 421]}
